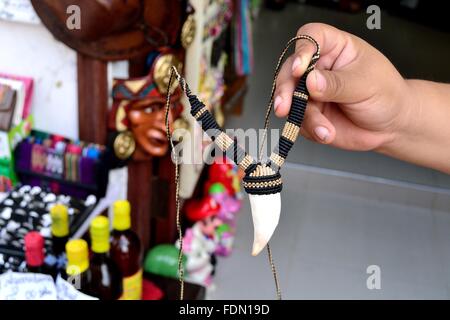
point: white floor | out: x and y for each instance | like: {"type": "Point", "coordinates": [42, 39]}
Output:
{"type": "Point", "coordinates": [332, 228]}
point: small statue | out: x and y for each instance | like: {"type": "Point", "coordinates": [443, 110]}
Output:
{"type": "Point", "coordinates": [197, 250]}
{"type": "Point", "coordinates": [203, 234]}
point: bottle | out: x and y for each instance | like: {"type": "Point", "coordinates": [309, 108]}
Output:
{"type": "Point", "coordinates": [77, 270]}
{"type": "Point", "coordinates": [106, 283]}
{"type": "Point", "coordinates": [60, 234]}
{"type": "Point", "coordinates": [126, 251]}
{"type": "Point", "coordinates": [34, 252]}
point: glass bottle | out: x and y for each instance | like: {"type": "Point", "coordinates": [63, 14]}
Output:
{"type": "Point", "coordinates": [34, 252]}
{"type": "Point", "coordinates": [106, 283]}
{"type": "Point", "coordinates": [77, 270]}
{"type": "Point", "coordinates": [126, 251]}
{"type": "Point", "coordinates": [57, 260]}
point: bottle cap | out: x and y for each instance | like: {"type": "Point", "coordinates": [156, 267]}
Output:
{"type": "Point", "coordinates": [77, 256]}
{"type": "Point", "coordinates": [34, 249]}
{"type": "Point", "coordinates": [75, 149]}
{"type": "Point", "coordinates": [99, 231]}
{"type": "Point", "coordinates": [60, 220]}
{"type": "Point", "coordinates": [121, 211]}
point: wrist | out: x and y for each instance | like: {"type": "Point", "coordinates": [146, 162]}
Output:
{"type": "Point", "coordinates": [406, 126]}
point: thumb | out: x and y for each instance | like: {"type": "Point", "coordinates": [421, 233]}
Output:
{"type": "Point", "coordinates": [335, 86]}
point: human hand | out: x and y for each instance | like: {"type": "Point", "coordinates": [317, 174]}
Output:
{"type": "Point", "coordinates": [358, 100]}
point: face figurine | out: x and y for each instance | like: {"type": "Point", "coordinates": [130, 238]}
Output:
{"type": "Point", "coordinates": [146, 119]}
{"type": "Point", "coordinates": [140, 105]}
{"type": "Point", "coordinates": [209, 226]}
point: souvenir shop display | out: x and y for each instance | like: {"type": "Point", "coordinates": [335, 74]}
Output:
{"type": "Point", "coordinates": [56, 186]}
{"type": "Point", "coordinates": [28, 209]}
{"type": "Point", "coordinates": [62, 165]}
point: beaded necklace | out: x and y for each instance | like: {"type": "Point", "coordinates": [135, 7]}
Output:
{"type": "Point", "coordinates": [262, 180]}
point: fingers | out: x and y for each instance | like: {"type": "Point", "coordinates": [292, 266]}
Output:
{"type": "Point", "coordinates": [331, 41]}
{"type": "Point", "coordinates": [317, 127]}
{"type": "Point", "coordinates": [285, 86]}
{"type": "Point", "coordinates": [337, 86]}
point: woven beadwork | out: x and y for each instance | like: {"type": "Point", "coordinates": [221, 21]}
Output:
{"type": "Point", "coordinates": [277, 159]}
{"type": "Point", "coordinates": [200, 112]}
{"type": "Point", "coordinates": [259, 178]}
{"type": "Point", "coordinates": [290, 131]}
{"type": "Point", "coordinates": [263, 184]}
{"type": "Point", "coordinates": [223, 141]}
{"type": "Point", "coordinates": [301, 95]}
{"type": "Point", "coordinates": [248, 160]}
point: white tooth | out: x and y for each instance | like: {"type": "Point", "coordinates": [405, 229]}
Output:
{"type": "Point", "coordinates": [266, 214]}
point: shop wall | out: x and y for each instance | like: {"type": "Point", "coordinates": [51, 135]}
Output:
{"type": "Point", "coordinates": [30, 50]}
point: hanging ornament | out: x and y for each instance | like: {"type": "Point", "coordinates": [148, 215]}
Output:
{"type": "Point", "coordinates": [161, 72]}
{"type": "Point", "coordinates": [188, 31]}
{"type": "Point", "coordinates": [262, 181]}
{"type": "Point", "coordinates": [124, 145]}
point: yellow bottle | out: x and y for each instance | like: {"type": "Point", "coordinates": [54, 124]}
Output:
{"type": "Point", "coordinates": [78, 273]}
{"type": "Point", "coordinates": [106, 283]}
{"type": "Point", "coordinates": [126, 251]}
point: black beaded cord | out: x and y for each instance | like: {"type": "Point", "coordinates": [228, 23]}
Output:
{"type": "Point", "coordinates": [260, 178]}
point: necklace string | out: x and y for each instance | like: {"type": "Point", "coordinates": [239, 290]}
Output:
{"type": "Point", "coordinates": [240, 157]}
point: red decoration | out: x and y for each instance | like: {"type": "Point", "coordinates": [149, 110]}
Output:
{"type": "Point", "coordinates": [150, 291]}
{"type": "Point", "coordinates": [197, 210]}
{"type": "Point", "coordinates": [222, 173]}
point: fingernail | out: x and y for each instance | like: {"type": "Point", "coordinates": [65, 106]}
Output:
{"type": "Point", "coordinates": [297, 63]}
{"type": "Point", "coordinates": [320, 81]}
{"type": "Point", "coordinates": [322, 133]}
{"type": "Point", "coordinates": [277, 102]}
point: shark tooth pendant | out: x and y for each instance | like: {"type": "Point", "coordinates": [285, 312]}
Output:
{"type": "Point", "coordinates": [263, 186]}
{"type": "Point", "coordinates": [266, 209]}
